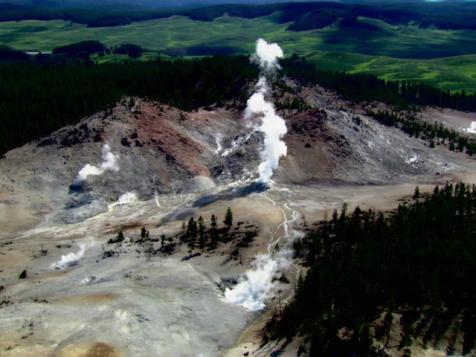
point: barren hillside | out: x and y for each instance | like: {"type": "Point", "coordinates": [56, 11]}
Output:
{"type": "Point", "coordinates": [154, 166]}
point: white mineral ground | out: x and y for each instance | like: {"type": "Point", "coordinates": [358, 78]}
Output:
{"type": "Point", "coordinates": [134, 305]}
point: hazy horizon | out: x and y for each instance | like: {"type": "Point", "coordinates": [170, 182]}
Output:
{"type": "Point", "coordinates": [184, 3]}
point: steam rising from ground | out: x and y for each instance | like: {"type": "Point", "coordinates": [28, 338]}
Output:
{"type": "Point", "coordinates": [258, 106]}
{"type": "Point", "coordinates": [256, 285]}
{"type": "Point", "coordinates": [472, 128]}
{"type": "Point", "coordinates": [125, 199]}
{"type": "Point", "coordinates": [71, 259]}
{"type": "Point", "coordinates": [109, 162]}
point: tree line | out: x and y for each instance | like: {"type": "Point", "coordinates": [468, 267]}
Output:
{"type": "Point", "coordinates": [84, 49]}
{"type": "Point", "coordinates": [434, 133]}
{"type": "Point", "coordinates": [196, 234]}
{"type": "Point", "coordinates": [418, 261]}
{"type": "Point", "coordinates": [36, 99]}
{"type": "Point", "coordinates": [366, 87]}
{"type": "Point", "coordinates": [39, 97]}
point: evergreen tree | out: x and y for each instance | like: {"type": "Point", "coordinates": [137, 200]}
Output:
{"type": "Point", "coordinates": [192, 229]}
{"type": "Point", "coordinates": [201, 233]}
{"type": "Point", "coordinates": [213, 222]}
{"type": "Point", "coordinates": [120, 236]}
{"type": "Point", "coordinates": [228, 218]}
{"type": "Point", "coordinates": [214, 231]}
{"type": "Point", "coordinates": [416, 194]}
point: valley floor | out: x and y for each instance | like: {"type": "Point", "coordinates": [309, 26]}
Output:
{"type": "Point", "coordinates": [135, 304]}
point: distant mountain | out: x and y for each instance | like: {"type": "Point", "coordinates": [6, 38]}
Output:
{"type": "Point", "coordinates": [302, 15]}
{"type": "Point", "coordinates": [140, 3]}
{"type": "Point", "coordinates": [58, 4]}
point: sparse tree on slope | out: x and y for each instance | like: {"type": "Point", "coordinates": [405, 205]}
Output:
{"type": "Point", "coordinates": [201, 233]}
{"type": "Point", "coordinates": [214, 231]}
{"type": "Point", "coordinates": [228, 218]}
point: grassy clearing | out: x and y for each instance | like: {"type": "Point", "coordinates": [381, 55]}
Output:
{"type": "Point", "coordinates": [451, 73]}
{"type": "Point", "coordinates": [391, 52]}
{"type": "Point", "coordinates": [159, 35]}
{"type": "Point", "coordinates": [374, 37]}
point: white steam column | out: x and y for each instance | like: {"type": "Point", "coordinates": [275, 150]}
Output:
{"type": "Point", "coordinates": [109, 162]}
{"type": "Point", "coordinates": [260, 108]}
{"type": "Point", "coordinates": [256, 285]}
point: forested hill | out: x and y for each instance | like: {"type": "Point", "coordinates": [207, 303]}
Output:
{"type": "Point", "coordinates": [37, 98]}
{"type": "Point", "coordinates": [372, 273]}
{"type": "Point", "coordinates": [365, 87]}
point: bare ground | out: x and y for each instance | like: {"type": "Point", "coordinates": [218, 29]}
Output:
{"type": "Point", "coordinates": [180, 165]}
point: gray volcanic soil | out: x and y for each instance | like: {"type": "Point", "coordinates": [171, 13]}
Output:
{"type": "Point", "coordinates": [174, 165]}
{"type": "Point", "coordinates": [454, 119]}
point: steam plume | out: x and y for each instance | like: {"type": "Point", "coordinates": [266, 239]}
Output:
{"type": "Point", "coordinates": [109, 162]}
{"type": "Point", "coordinates": [124, 199]}
{"type": "Point", "coordinates": [270, 124]}
{"type": "Point", "coordinates": [257, 284]}
{"type": "Point", "coordinates": [472, 128]}
{"type": "Point", "coordinates": [267, 55]}
{"type": "Point", "coordinates": [71, 259]}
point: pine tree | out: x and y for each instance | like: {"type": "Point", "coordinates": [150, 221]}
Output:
{"type": "Point", "coordinates": [335, 215]}
{"type": "Point", "coordinates": [201, 233]}
{"type": "Point", "coordinates": [343, 212]}
{"type": "Point", "coordinates": [120, 236]}
{"type": "Point", "coordinates": [416, 195]}
{"type": "Point", "coordinates": [228, 218]}
{"type": "Point", "coordinates": [213, 220]}
{"type": "Point", "coordinates": [214, 231]}
{"type": "Point", "coordinates": [192, 231]}
{"type": "Point", "coordinates": [192, 228]}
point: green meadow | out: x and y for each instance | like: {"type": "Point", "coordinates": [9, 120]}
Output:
{"type": "Point", "coordinates": [450, 73]}
{"type": "Point", "coordinates": [443, 58]}
{"type": "Point", "coordinates": [158, 35]}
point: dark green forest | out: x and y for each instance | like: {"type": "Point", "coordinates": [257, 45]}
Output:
{"type": "Point", "coordinates": [418, 261]}
{"type": "Point", "coordinates": [41, 95]}
{"type": "Point", "coordinates": [37, 99]}
{"type": "Point", "coordinates": [81, 49]}
{"type": "Point", "coordinates": [365, 87]}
